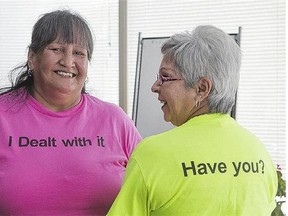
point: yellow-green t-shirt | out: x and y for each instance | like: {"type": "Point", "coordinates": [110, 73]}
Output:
{"type": "Point", "coordinates": [208, 166]}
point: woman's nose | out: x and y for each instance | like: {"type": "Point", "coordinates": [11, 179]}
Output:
{"type": "Point", "coordinates": [67, 59]}
{"type": "Point", "coordinates": [155, 87]}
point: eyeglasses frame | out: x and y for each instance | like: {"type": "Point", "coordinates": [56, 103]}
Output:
{"type": "Point", "coordinates": [163, 79]}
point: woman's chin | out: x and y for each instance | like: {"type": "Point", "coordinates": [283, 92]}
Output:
{"type": "Point", "coordinates": [167, 117]}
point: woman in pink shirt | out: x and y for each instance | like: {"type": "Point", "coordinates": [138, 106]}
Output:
{"type": "Point", "coordinates": [62, 151]}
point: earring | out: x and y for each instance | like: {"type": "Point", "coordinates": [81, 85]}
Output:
{"type": "Point", "coordinates": [198, 102]}
{"type": "Point", "coordinates": [87, 80]}
{"type": "Point", "coordinates": [30, 72]}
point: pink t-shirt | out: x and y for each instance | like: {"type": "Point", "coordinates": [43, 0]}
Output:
{"type": "Point", "coordinates": [62, 163]}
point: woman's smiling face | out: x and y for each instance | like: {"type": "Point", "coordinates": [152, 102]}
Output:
{"type": "Point", "coordinates": [178, 100]}
{"type": "Point", "coordinates": [60, 67]}
{"type": "Point", "coordinates": [59, 73]}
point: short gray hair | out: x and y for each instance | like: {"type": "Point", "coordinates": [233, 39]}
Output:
{"type": "Point", "coordinates": [207, 52]}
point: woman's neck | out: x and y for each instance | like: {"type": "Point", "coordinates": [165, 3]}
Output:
{"type": "Point", "coordinates": [56, 102]}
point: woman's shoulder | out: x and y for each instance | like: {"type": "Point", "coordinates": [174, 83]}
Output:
{"type": "Point", "coordinates": [99, 102]}
{"type": "Point", "coordinates": [103, 106]}
{"type": "Point", "coordinates": [13, 100]}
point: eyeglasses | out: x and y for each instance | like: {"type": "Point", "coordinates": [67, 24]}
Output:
{"type": "Point", "coordinates": [163, 79]}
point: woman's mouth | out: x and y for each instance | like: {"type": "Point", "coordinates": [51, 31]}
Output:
{"type": "Point", "coordinates": [163, 102]}
{"type": "Point", "coordinates": [65, 74]}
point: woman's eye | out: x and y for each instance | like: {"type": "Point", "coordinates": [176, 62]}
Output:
{"type": "Point", "coordinates": [166, 78]}
{"type": "Point", "coordinates": [80, 53]}
{"type": "Point", "coordinates": [56, 49]}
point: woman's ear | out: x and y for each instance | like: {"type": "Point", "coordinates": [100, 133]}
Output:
{"type": "Point", "coordinates": [204, 86]}
{"type": "Point", "coordinates": [31, 59]}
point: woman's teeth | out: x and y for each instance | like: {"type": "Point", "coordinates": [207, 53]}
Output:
{"type": "Point", "coordinates": [66, 74]}
{"type": "Point", "coordinates": [163, 102]}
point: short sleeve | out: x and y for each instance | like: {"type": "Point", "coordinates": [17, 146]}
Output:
{"type": "Point", "coordinates": [133, 197]}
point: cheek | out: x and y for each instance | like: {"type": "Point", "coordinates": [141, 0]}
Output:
{"type": "Point", "coordinates": [44, 63]}
{"type": "Point", "coordinates": [183, 101]}
{"type": "Point", "coordinates": [174, 101]}
{"type": "Point", "coordinates": [83, 67]}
